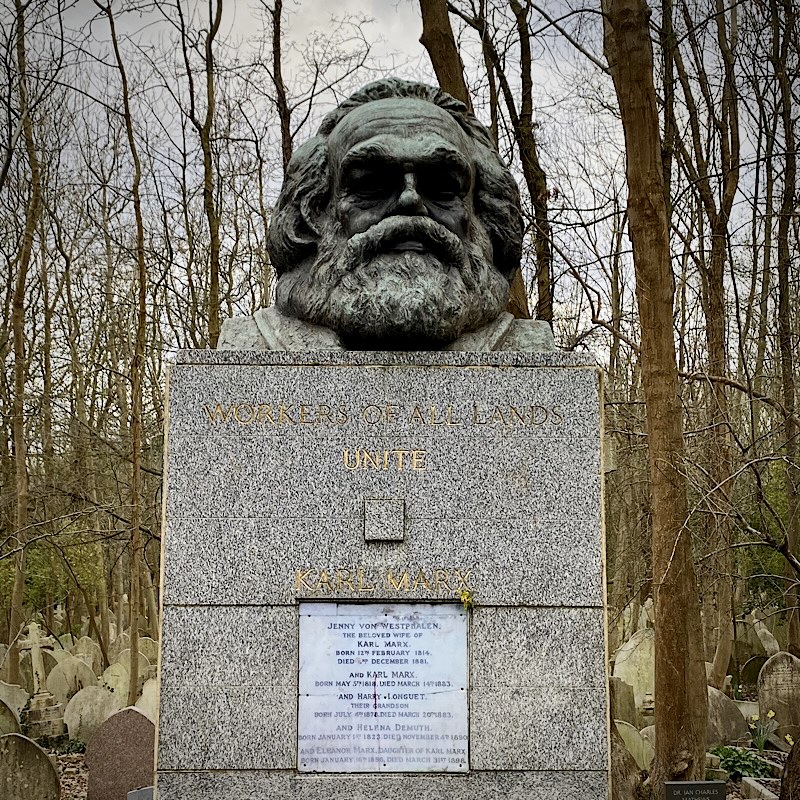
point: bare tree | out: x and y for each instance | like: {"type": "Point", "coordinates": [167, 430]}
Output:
{"type": "Point", "coordinates": [680, 689]}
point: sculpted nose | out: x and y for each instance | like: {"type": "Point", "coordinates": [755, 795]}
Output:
{"type": "Point", "coordinates": [410, 201]}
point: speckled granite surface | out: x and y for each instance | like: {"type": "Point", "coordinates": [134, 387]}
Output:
{"type": "Point", "coordinates": [282, 469]}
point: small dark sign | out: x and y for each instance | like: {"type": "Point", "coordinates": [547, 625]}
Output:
{"type": "Point", "coordinates": [695, 790]}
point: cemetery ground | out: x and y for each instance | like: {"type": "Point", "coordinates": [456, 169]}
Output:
{"type": "Point", "coordinates": [94, 747]}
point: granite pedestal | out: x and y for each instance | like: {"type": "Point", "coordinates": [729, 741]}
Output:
{"type": "Point", "coordinates": [311, 483]}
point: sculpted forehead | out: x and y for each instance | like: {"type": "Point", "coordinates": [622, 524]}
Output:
{"type": "Point", "coordinates": [421, 123]}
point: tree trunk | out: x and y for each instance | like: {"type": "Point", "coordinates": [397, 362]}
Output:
{"type": "Point", "coordinates": [791, 473]}
{"type": "Point", "coordinates": [438, 39]}
{"type": "Point", "coordinates": [32, 213]}
{"type": "Point", "coordinates": [137, 370]}
{"type": "Point", "coordinates": [680, 685]}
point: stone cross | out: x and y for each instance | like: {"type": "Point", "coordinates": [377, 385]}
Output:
{"type": "Point", "coordinates": [34, 643]}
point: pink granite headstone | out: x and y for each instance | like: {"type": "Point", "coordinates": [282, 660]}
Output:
{"type": "Point", "coordinates": [120, 755]}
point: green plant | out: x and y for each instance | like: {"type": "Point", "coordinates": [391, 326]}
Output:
{"type": "Point", "coordinates": [737, 761]}
{"type": "Point", "coordinates": [760, 730]}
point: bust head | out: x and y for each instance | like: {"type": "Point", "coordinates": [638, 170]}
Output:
{"type": "Point", "coordinates": [398, 226]}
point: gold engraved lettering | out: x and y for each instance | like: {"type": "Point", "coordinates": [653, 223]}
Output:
{"type": "Point", "coordinates": [265, 414]}
{"type": "Point", "coordinates": [363, 587]}
{"type": "Point", "coordinates": [440, 576]}
{"type": "Point", "coordinates": [244, 413]}
{"type": "Point", "coordinates": [324, 581]}
{"type": "Point", "coordinates": [463, 577]}
{"type": "Point", "coordinates": [384, 460]}
{"type": "Point", "coordinates": [283, 414]}
{"type": "Point", "coordinates": [343, 580]}
{"type": "Point", "coordinates": [450, 420]}
{"type": "Point", "coordinates": [514, 413]}
{"type": "Point", "coordinates": [341, 416]}
{"type": "Point", "coordinates": [524, 416]}
{"type": "Point", "coordinates": [416, 416]}
{"type": "Point", "coordinates": [370, 460]}
{"type": "Point", "coordinates": [476, 420]}
{"type": "Point", "coordinates": [421, 579]}
{"type": "Point", "coordinates": [538, 415]}
{"type": "Point", "coordinates": [371, 415]}
{"type": "Point", "coordinates": [497, 416]}
{"type": "Point", "coordinates": [324, 414]}
{"type": "Point", "coordinates": [433, 419]}
{"type": "Point", "coordinates": [391, 412]}
{"type": "Point", "coordinates": [219, 413]}
{"type": "Point", "coordinates": [398, 583]}
{"type": "Point", "coordinates": [301, 580]}
{"type": "Point", "coordinates": [304, 410]}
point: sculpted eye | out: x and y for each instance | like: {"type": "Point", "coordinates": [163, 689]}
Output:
{"type": "Point", "coordinates": [443, 185]}
{"type": "Point", "coordinates": [367, 183]}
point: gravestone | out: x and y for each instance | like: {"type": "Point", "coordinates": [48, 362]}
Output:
{"type": "Point", "coordinates": [89, 709]}
{"type": "Point", "coordinates": [52, 658]}
{"type": "Point", "coordinates": [641, 749]}
{"type": "Point", "coordinates": [622, 702]}
{"type": "Point", "coordinates": [122, 642]}
{"type": "Point", "coordinates": [9, 723]}
{"type": "Point", "coordinates": [779, 691]}
{"type": "Point", "coordinates": [148, 702]}
{"type": "Point", "coordinates": [85, 646]}
{"type": "Point", "coordinates": [120, 756]}
{"type": "Point", "coordinates": [327, 514]}
{"type": "Point", "coordinates": [634, 663]}
{"type": "Point", "coordinates": [124, 660]}
{"type": "Point", "coordinates": [752, 668]}
{"type": "Point", "coordinates": [149, 649]}
{"type": "Point", "coordinates": [26, 772]}
{"type": "Point", "coordinates": [15, 697]}
{"type": "Point", "coordinates": [726, 723]}
{"type": "Point", "coordinates": [68, 678]}
{"type": "Point", "coordinates": [117, 680]}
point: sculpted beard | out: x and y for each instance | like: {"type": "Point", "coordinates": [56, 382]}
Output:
{"type": "Point", "coordinates": [368, 291]}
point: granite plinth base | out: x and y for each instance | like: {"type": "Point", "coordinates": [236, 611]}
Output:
{"type": "Point", "coordinates": [262, 785]}
{"type": "Point", "coordinates": [383, 478]}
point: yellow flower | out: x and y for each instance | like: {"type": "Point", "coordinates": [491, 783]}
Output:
{"type": "Point", "coordinates": [770, 714]}
{"type": "Point", "coordinates": [789, 740]}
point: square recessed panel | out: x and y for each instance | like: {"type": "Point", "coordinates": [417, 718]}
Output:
{"type": "Point", "coordinates": [383, 688]}
{"type": "Point", "coordinates": [384, 520]}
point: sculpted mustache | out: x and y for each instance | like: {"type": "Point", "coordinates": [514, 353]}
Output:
{"type": "Point", "coordinates": [388, 233]}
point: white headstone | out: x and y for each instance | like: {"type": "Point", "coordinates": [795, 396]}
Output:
{"type": "Point", "coordinates": [768, 641]}
{"type": "Point", "coordinates": [148, 702]}
{"type": "Point", "coordinates": [34, 642]}
{"type": "Point", "coordinates": [85, 646]}
{"type": "Point", "coordinates": [122, 642]}
{"type": "Point", "coordinates": [779, 692]}
{"type": "Point", "coordinates": [149, 649]}
{"type": "Point", "coordinates": [15, 697]}
{"type": "Point", "coordinates": [117, 680]}
{"type": "Point", "coordinates": [68, 678]}
{"type": "Point", "coordinates": [634, 662]}
{"type": "Point", "coordinates": [89, 709]}
{"type": "Point", "coordinates": [641, 750]}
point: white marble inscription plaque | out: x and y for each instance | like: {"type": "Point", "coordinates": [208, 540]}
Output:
{"type": "Point", "coordinates": [383, 688]}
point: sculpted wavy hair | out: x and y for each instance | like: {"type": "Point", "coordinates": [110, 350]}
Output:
{"type": "Point", "coordinates": [298, 219]}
